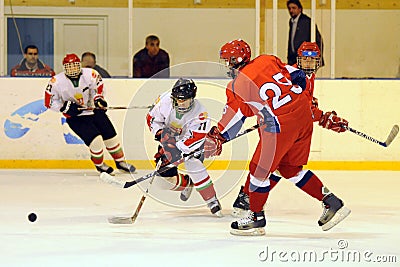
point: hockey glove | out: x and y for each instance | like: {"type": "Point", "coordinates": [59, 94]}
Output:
{"type": "Point", "coordinates": [213, 143]}
{"type": "Point", "coordinates": [330, 121]}
{"type": "Point", "coordinates": [99, 102]}
{"type": "Point", "coordinates": [298, 77]}
{"type": "Point", "coordinates": [316, 112]}
{"type": "Point", "coordinates": [71, 109]}
{"type": "Point", "coordinates": [170, 152]}
{"type": "Point", "coordinates": [158, 135]}
{"type": "Point", "coordinates": [314, 102]}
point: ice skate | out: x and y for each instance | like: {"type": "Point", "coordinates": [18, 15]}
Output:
{"type": "Point", "coordinates": [125, 166]}
{"type": "Point", "coordinates": [187, 191]}
{"type": "Point", "coordinates": [334, 212]}
{"type": "Point", "coordinates": [214, 206]}
{"type": "Point", "coordinates": [251, 225]}
{"type": "Point", "coordinates": [104, 168]}
{"type": "Point", "coordinates": [241, 205]}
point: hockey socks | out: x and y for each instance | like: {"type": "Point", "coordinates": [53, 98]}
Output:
{"type": "Point", "coordinates": [205, 188]}
{"type": "Point", "coordinates": [114, 148]}
{"type": "Point", "coordinates": [258, 192]}
{"type": "Point", "coordinates": [180, 182]}
{"type": "Point", "coordinates": [96, 151]}
{"type": "Point", "coordinates": [307, 181]}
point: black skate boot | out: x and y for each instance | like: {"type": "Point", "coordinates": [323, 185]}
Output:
{"type": "Point", "coordinates": [334, 212]}
{"type": "Point", "coordinates": [241, 204]}
{"type": "Point", "coordinates": [104, 168]}
{"type": "Point", "coordinates": [125, 166]}
{"type": "Point", "coordinates": [187, 191]}
{"type": "Point", "coordinates": [252, 224]}
{"type": "Point", "coordinates": [214, 206]}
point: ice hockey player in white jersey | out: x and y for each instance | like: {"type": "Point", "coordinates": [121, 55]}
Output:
{"type": "Point", "coordinates": [78, 93]}
{"type": "Point", "coordinates": [180, 123]}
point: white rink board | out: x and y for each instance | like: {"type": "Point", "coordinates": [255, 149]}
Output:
{"type": "Point", "coordinates": [369, 105]}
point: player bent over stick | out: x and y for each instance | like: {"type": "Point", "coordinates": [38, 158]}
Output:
{"type": "Point", "coordinates": [180, 123]}
{"type": "Point", "coordinates": [78, 94]}
{"type": "Point", "coordinates": [275, 93]}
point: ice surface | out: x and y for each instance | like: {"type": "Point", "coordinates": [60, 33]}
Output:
{"type": "Point", "coordinates": [72, 228]}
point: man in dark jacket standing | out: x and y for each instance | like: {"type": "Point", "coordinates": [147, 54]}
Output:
{"type": "Point", "coordinates": [300, 31]}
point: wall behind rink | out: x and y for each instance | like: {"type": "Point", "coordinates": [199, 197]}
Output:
{"type": "Point", "coordinates": [192, 34]}
{"type": "Point", "coordinates": [33, 137]}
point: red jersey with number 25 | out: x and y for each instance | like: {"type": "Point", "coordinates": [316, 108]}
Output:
{"type": "Point", "coordinates": [263, 88]}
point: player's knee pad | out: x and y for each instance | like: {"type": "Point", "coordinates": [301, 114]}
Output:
{"type": "Point", "coordinates": [97, 144]}
{"type": "Point", "coordinates": [112, 142]}
{"type": "Point", "coordinates": [196, 170]}
{"type": "Point", "coordinates": [194, 165]}
{"type": "Point", "coordinates": [258, 171]}
{"type": "Point", "coordinates": [287, 171]}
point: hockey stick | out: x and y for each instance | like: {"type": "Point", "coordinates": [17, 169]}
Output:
{"type": "Point", "coordinates": [132, 219]}
{"type": "Point", "coordinates": [392, 135]}
{"type": "Point", "coordinates": [111, 180]}
{"type": "Point", "coordinates": [116, 107]}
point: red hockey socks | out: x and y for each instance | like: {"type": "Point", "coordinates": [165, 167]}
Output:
{"type": "Point", "coordinates": [312, 185]}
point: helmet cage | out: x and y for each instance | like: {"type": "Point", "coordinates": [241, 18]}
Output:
{"type": "Point", "coordinates": [308, 57]}
{"type": "Point", "coordinates": [308, 62]}
{"type": "Point", "coordinates": [72, 69]}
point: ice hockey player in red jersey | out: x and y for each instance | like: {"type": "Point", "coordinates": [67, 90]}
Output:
{"type": "Point", "coordinates": [308, 60]}
{"type": "Point", "coordinates": [78, 93]}
{"type": "Point", "coordinates": [180, 123]}
{"type": "Point", "coordinates": [272, 91]}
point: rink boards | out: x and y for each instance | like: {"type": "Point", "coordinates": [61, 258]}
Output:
{"type": "Point", "coordinates": [34, 137]}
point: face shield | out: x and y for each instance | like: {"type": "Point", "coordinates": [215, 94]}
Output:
{"type": "Point", "coordinates": [72, 69]}
{"type": "Point", "coordinates": [309, 62]}
{"type": "Point", "coordinates": [229, 66]}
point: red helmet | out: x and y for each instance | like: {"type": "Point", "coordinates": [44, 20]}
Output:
{"type": "Point", "coordinates": [308, 57]}
{"type": "Point", "coordinates": [308, 49]}
{"type": "Point", "coordinates": [72, 65]}
{"type": "Point", "coordinates": [236, 53]}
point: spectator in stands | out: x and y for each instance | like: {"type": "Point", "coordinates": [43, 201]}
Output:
{"type": "Point", "coordinates": [89, 61]}
{"type": "Point", "coordinates": [151, 61]}
{"type": "Point", "coordinates": [300, 31]}
{"type": "Point", "coordinates": [31, 65]}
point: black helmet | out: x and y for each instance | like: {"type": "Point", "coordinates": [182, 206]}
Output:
{"type": "Point", "coordinates": [183, 89]}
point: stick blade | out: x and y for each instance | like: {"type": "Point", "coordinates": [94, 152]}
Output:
{"type": "Point", "coordinates": [107, 178]}
{"type": "Point", "coordinates": [120, 220]}
{"type": "Point", "coordinates": [392, 135]}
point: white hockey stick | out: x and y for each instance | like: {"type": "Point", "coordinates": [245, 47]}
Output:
{"type": "Point", "coordinates": [116, 107]}
{"type": "Point", "coordinates": [132, 219]}
{"type": "Point", "coordinates": [392, 135]}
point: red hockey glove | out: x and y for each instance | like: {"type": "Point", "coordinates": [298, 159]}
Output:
{"type": "Point", "coordinates": [314, 102]}
{"type": "Point", "coordinates": [317, 113]}
{"type": "Point", "coordinates": [170, 153]}
{"type": "Point", "coordinates": [213, 143]}
{"type": "Point", "coordinates": [330, 121]}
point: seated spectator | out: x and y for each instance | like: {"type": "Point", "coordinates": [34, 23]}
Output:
{"type": "Point", "coordinates": [89, 61]}
{"type": "Point", "coordinates": [31, 65]}
{"type": "Point", "coordinates": [151, 61]}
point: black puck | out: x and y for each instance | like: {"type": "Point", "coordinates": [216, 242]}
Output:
{"type": "Point", "coordinates": [32, 217]}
